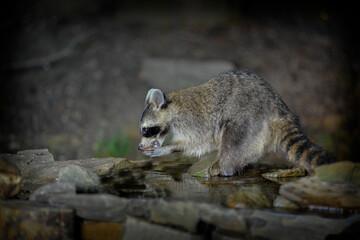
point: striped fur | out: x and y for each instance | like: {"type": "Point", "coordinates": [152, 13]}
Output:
{"type": "Point", "coordinates": [298, 148]}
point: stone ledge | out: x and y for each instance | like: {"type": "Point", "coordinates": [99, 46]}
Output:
{"type": "Point", "coordinates": [37, 167]}
{"type": "Point", "coordinates": [171, 219]}
{"type": "Point", "coordinates": [31, 220]}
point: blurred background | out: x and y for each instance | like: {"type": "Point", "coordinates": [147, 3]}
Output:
{"type": "Point", "coordinates": [74, 74]}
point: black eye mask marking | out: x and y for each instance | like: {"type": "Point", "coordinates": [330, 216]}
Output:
{"type": "Point", "coordinates": [150, 132]}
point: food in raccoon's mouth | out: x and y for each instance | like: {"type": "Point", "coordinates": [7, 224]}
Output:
{"type": "Point", "coordinates": [145, 148]}
{"type": "Point", "coordinates": [156, 144]}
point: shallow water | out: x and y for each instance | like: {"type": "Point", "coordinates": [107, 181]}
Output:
{"type": "Point", "coordinates": [167, 178]}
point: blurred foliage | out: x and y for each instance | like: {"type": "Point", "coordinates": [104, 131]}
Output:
{"type": "Point", "coordinates": [118, 145]}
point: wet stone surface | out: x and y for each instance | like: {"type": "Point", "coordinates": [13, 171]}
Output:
{"type": "Point", "coordinates": [10, 179]}
{"type": "Point", "coordinates": [160, 199]}
{"type": "Point", "coordinates": [32, 220]}
{"type": "Point", "coordinates": [168, 179]}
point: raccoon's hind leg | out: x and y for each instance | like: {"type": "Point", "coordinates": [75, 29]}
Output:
{"type": "Point", "coordinates": [231, 158]}
{"type": "Point", "coordinates": [240, 146]}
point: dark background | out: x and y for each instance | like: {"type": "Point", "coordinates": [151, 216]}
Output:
{"type": "Point", "coordinates": [71, 70]}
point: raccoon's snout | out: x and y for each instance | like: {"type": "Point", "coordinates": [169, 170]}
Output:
{"type": "Point", "coordinates": [140, 147]}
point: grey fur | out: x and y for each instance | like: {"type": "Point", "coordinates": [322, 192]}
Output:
{"type": "Point", "coordinates": [236, 113]}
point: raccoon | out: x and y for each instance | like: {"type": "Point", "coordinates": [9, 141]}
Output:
{"type": "Point", "coordinates": [236, 113]}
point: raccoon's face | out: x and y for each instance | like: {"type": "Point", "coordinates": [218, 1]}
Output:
{"type": "Point", "coordinates": [153, 121]}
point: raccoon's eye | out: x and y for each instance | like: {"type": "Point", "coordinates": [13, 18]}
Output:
{"type": "Point", "coordinates": [151, 131]}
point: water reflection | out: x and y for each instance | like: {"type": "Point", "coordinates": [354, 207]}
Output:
{"type": "Point", "coordinates": [168, 179]}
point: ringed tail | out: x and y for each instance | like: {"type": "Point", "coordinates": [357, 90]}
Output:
{"type": "Point", "coordinates": [300, 150]}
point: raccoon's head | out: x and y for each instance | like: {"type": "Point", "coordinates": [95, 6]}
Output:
{"type": "Point", "coordinates": [153, 121]}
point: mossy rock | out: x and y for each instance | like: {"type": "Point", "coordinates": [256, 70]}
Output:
{"type": "Point", "coordinates": [207, 166]}
{"type": "Point", "coordinates": [248, 197]}
{"type": "Point", "coordinates": [282, 176]}
{"type": "Point", "coordinates": [339, 172]}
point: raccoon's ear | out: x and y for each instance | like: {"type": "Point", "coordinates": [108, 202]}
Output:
{"type": "Point", "coordinates": [155, 97]}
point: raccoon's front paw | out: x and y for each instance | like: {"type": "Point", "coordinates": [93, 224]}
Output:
{"type": "Point", "coordinates": [152, 152]}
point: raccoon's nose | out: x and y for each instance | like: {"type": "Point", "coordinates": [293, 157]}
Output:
{"type": "Point", "coordinates": [140, 147]}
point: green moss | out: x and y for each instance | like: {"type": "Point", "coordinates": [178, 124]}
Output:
{"type": "Point", "coordinates": [200, 174]}
{"type": "Point", "coordinates": [118, 145]}
{"type": "Point", "coordinates": [340, 172]}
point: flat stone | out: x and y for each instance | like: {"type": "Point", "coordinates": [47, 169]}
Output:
{"type": "Point", "coordinates": [311, 191]}
{"type": "Point", "coordinates": [139, 208]}
{"type": "Point", "coordinates": [282, 180]}
{"type": "Point", "coordinates": [100, 207]}
{"type": "Point", "coordinates": [277, 226]}
{"type": "Point", "coordinates": [95, 230]}
{"type": "Point", "coordinates": [139, 229]}
{"type": "Point", "coordinates": [179, 214]}
{"type": "Point", "coordinates": [282, 202]}
{"type": "Point", "coordinates": [207, 166]}
{"type": "Point", "coordinates": [10, 179]}
{"type": "Point", "coordinates": [44, 193]}
{"type": "Point", "coordinates": [30, 220]}
{"type": "Point", "coordinates": [141, 163]}
{"type": "Point", "coordinates": [223, 218]}
{"type": "Point", "coordinates": [285, 173]}
{"type": "Point", "coordinates": [248, 197]}
{"type": "Point", "coordinates": [27, 157]}
{"type": "Point", "coordinates": [339, 172]}
{"type": "Point", "coordinates": [84, 179]}
{"type": "Point", "coordinates": [40, 155]}
{"type": "Point", "coordinates": [37, 167]}
{"type": "Point", "coordinates": [217, 180]}
{"type": "Point", "coordinates": [220, 236]}
{"type": "Point", "coordinates": [170, 74]}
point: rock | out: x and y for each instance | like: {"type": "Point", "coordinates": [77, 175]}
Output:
{"type": "Point", "coordinates": [139, 229]}
{"type": "Point", "coordinates": [37, 167]}
{"type": "Point", "coordinates": [207, 166]}
{"type": "Point", "coordinates": [311, 191]}
{"type": "Point", "coordinates": [339, 172]}
{"type": "Point", "coordinates": [143, 163]}
{"type": "Point", "coordinates": [248, 197]}
{"type": "Point", "coordinates": [37, 155]}
{"type": "Point", "coordinates": [282, 202]}
{"type": "Point", "coordinates": [283, 180]}
{"type": "Point", "coordinates": [30, 220]}
{"type": "Point", "coordinates": [233, 180]}
{"type": "Point", "coordinates": [220, 236]}
{"type": "Point", "coordinates": [44, 193]}
{"type": "Point", "coordinates": [23, 159]}
{"type": "Point", "coordinates": [99, 207]}
{"type": "Point", "coordinates": [179, 214]}
{"type": "Point", "coordinates": [222, 218]}
{"type": "Point", "coordinates": [91, 230]}
{"type": "Point", "coordinates": [84, 179]}
{"type": "Point", "coordinates": [10, 179]}
{"type": "Point", "coordinates": [173, 74]}
{"type": "Point", "coordinates": [284, 173]}
{"type": "Point", "coordinates": [265, 224]}
{"type": "Point", "coordinates": [277, 226]}
{"type": "Point", "coordinates": [139, 208]}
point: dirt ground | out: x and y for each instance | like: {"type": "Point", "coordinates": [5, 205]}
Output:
{"type": "Point", "coordinates": [73, 84]}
